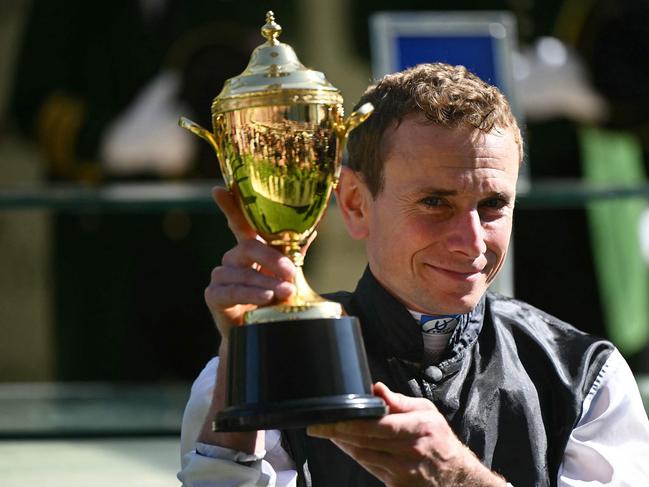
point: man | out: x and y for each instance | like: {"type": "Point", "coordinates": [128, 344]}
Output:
{"type": "Point", "coordinates": [482, 389]}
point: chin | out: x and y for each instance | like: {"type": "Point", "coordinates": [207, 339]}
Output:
{"type": "Point", "coordinates": [460, 305]}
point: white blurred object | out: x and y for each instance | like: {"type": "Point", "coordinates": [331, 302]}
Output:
{"type": "Point", "coordinates": [146, 137]}
{"type": "Point", "coordinates": [552, 82]}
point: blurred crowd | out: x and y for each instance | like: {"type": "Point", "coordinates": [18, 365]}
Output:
{"type": "Point", "coordinates": [100, 87]}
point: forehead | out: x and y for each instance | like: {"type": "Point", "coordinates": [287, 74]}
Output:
{"type": "Point", "coordinates": [418, 148]}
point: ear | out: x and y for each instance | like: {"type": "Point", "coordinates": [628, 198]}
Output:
{"type": "Point", "coordinates": [354, 200]}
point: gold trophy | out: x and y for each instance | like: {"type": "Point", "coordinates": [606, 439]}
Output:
{"type": "Point", "coordinates": [279, 134]}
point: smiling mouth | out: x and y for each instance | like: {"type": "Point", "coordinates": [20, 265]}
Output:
{"type": "Point", "coordinates": [471, 275]}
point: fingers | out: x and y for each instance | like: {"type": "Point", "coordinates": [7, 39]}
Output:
{"type": "Point", "coordinates": [249, 253]}
{"type": "Point", "coordinates": [237, 222]}
{"type": "Point", "coordinates": [309, 241]}
{"type": "Point", "coordinates": [375, 462]}
{"type": "Point", "coordinates": [413, 445]}
{"type": "Point", "coordinates": [232, 276]}
{"type": "Point", "coordinates": [252, 274]}
{"type": "Point", "coordinates": [231, 286]}
{"type": "Point", "coordinates": [398, 403]}
{"type": "Point", "coordinates": [422, 420]}
{"type": "Point", "coordinates": [377, 435]}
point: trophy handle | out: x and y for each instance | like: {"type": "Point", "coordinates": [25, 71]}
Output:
{"type": "Point", "coordinates": [358, 117]}
{"type": "Point", "coordinates": [214, 141]}
{"type": "Point", "coordinates": [196, 129]}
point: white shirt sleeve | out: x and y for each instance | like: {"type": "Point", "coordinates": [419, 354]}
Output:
{"type": "Point", "coordinates": [608, 447]}
{"type": "Point", "coordinates": [211, 466]}
{"type": "Point", "coordinates": [610, 444]}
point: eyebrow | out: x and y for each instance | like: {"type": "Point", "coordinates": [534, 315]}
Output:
{"type": "Point", "coordinates": [453, 192]}
{"type": "Point", "coordinates": [439, 192]}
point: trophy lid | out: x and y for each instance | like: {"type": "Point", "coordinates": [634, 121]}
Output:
{"type": "Point", "coordinates": [275, 76]}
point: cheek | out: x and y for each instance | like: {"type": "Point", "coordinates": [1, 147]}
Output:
{"type": "Point", "coordinates": [422, 229]}
{"type": "Point", "coordinates": [399, 241]}
{"type": "Point", "coordinates": [398, 228]}
{"type": "Point", "coordinates": [381, 243]}
{"type": "Point", "coordinates": [497, 240]}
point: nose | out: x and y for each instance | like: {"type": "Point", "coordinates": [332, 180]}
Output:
{"type": "Point", "coordinates": [466, 235]}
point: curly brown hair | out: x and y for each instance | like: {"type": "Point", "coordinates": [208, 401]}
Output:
{"type": "Point", "coordinates": [449, 96]}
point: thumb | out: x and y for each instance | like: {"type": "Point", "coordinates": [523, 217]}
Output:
{"type": "Point", "coordinates": [227, 202]}
{"type": "Point", "coordinates": [398, 403]}
{"type": "Point", "coordinates": [309, 241]}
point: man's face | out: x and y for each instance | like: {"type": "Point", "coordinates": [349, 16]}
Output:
{"type": "Point", "coordinates": [438, 232]}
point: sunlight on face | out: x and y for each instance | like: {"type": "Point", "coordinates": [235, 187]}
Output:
{"type": "Point", "coordinates": [440, 228]}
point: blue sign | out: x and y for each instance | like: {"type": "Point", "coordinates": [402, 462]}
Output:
{"type": "Point", "coordinates": [474, 52]}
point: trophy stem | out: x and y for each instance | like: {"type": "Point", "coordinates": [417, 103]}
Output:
{"type": "Point", "coordinates": [304, 295]}
{"type": "Point", "coordinates": [304, 304]}
{"type": "Point", "coordinates": [292, 250]}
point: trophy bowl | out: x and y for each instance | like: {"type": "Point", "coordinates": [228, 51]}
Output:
{"type": "Point", "coordinates": [279, 134]}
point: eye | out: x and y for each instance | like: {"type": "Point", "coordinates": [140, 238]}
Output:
{"type": "Point", "coordinates": [431, 201]}
{"type": "Point", "coordinates": [495, 203]}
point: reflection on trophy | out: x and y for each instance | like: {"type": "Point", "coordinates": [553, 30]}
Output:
{"type": "Point", "coordinates": [279, 134]}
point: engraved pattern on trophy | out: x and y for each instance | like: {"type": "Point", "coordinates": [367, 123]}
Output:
{"type": "Point", "coordinates": [284, 170]}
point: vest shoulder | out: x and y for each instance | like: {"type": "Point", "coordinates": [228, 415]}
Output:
{"type": "Point", "coordinates": [514, 313]}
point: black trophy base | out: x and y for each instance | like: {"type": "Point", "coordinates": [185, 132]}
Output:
{"type": "Point", "coordinates": [291, 374]}
{"type": "Point", "coordinates": [299, 413]}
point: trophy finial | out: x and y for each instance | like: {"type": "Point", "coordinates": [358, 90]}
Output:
{"type": "Point", "coordinates": [271, 30]}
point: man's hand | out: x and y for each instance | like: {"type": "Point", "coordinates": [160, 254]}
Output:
{"type": "Point", "coordinates": [413, 446]}
{"type": "Point", "coordinates": [251, 274]}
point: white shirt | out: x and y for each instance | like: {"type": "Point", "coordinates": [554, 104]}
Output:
{"type": "Point", "coordinates": [608, 447]}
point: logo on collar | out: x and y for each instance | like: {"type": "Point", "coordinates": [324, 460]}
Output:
{"type": "Point", "coordinates": [438, 324]}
